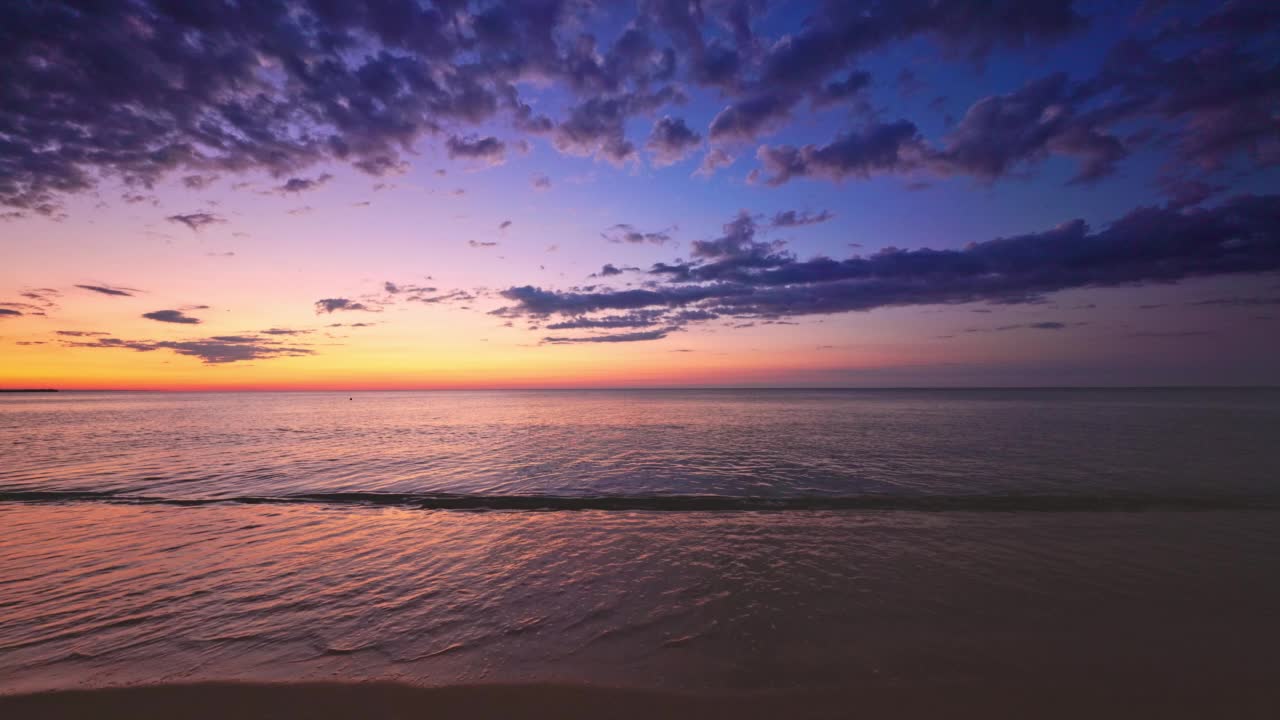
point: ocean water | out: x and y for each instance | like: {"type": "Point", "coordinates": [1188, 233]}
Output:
{"type": "Point", "coordinates": [693, 540]}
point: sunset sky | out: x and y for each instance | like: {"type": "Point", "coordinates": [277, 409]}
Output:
{"type": "Point", "coordinates": [319, 194]}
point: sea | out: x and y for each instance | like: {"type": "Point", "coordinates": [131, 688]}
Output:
{"type": "Point", "coordinates": [687, 540]}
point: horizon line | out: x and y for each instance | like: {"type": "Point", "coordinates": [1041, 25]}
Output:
{"type": "Point", "coordinates": [668, 388]}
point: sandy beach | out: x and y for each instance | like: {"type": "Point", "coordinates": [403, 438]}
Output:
{"type": "Point", "coordinates": [389, 700]}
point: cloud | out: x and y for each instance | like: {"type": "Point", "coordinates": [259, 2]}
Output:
{"type": "Point", "coordinates": [852, 84]}
{"type": "Point", "coordinates": [842, 31]}
{"type": "Point", "coordinates": [1172, 334]}
{"type": "Point", "coordinates": [504, 224]}
{"type": "Point", "coordinates": [624, 233]}
{"type": "Point", "coordinates": [715, 159]}
{"type": "Point", "coordinates": [616, 338]}
{"type": "Point", "coordinates": [299, 184]}
{"type": "Point", "coordinates": [42, 302]}
{"type": "Point", "coordinates": [284, 331]}
{"type": "Point", "coordinates": [1032, 326]}
{"type": "Point", "coordinates": [878, 148]}
{"type": "Point", "coordinates": [596, 127]}
{"type": "Point", "coordinates": [171, 316]}
{"type": "Point", "coordinates": [489, 150]}
{"type": "Point", "coordinates": [109, 290]}
{"type": "Point", "coordinates": [1002, 132]}
{"type": "Point", "coordinates": [482, 243]}
{"type": "Point", "coordinates": [218, 350]}
{"type": "Point", "coordinates": [746, 119]}
{"type": "Point", "coordinates": [449, 297]}
{"type": "Point", "coordinates": [630, 320]}
{"type": "Point", "coordinates": [9, 313]}
{"type": "Point", "coordinates": [737, 275]}
{"type": "Point", "coordinates": [671, 141]}
{"type": "Point", "coordinates": [80, 333]}
{"type": "Point", "coordinates": [332, 305]}
{"type": "Point", "coordinates": [198, 182]}
{"type": "Point", "coordinates": [196, 221]}
{"type": "Point", "coordinates": [1236, 119]}
{"type": "Point", "coordinates": [1240, 301]}
{"type": "Point", "coordinates": [540, 182]}
{"type": "Point", "coordinates": [396, 288]}
{"type": "Point", "coordinates": [791, 218]}
{"type": "Point", "coordinates": [280, 89]}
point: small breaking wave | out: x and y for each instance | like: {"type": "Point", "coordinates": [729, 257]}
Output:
{"type": "Point", "coordinates": [692, 503]}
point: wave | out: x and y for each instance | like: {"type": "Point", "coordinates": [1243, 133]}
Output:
{"type": "Point", "coordinates": [693, 503]}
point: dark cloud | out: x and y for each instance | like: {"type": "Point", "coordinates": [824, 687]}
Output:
{"type": "Point", "coordinates": [396, 288]}
{"type": "Point", "coordinates": [624, 233]}
{"type": "Point", "coordinates": [615, 338]}
{"type": "Point", "coordinates": [216, 350]}
{"type": "Point", "coordinates": [299, 184]}
{"type": "Point", "coordinates": [609, 269]}
{"type": "Point", "coordinates": [42, 301]}
{"type": "Point", "coordinates": [449, 297]}
{"type": "Point", "coordinates": [172, 316]}
{"type": "Point", "coordinates": [198, 220]}
{"type": "Point", "coordinates": [630, 320]}
{"type": "Point", "coordinates": [791, 218]}
{"type": "Point", "coordinates": [1034, 326]}
{"type": "Point", "coordinates": [748, 118]}
{"type": "Point", "coordinates": [80, 333]}
{"type": "Point", "coordinates": [737, 275]}
{"type": "Point", "coordinates": [198, 182]}
{"type": "Point", "coordinates": [284, 331]}
{"type": "Point", "coordinates": [504, 224]}
{"type": "Point", "coordinates": [8, 312]}
{"type": "Point", "coordinates": [999, 133]}
{"type": "Point", "coordinates": [332, 305]}
{"type": "Point", "coordinates": [488, 150]}
{"type": "Point", "coordinates": [838, 90]}
{"type": "Point", "coordinates": [1173, 334]}
{"type": "Point", "coordinates": [842, 31]}
{"type": "Point", "coordinates": [278, 87]}
{"type": "Point", "coordinates": [671, 141]}
{"type": "Point", "coordinates": [1240, 301]}
{"type": "Point", "coordinates": [878, 148]}
{"type": "Point", "coordinates": [1220, 98]}
{"type": "Point", "coordinates": [109, 290]}
{"type": "Point", "coordinates": [1186, 192]}
{"type": "Point", "coordinates": [136, 92]}
{"type": "Point", "coordinates": [997, 136]}
{"type": "Point", "coordinates": [596, 127]}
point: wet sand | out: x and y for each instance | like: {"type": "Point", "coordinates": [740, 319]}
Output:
{"type": "Point", "coordinates": [1258, 699]}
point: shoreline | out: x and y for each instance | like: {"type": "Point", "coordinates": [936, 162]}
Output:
{"type": "Point", "coordinates": [396, 700]}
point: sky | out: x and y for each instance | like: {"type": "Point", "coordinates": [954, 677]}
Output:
{"type": "Point", "coordinates": [400, 194]}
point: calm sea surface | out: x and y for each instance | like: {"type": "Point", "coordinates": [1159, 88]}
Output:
{"type": "Point", "coordinates": [703, 539]}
